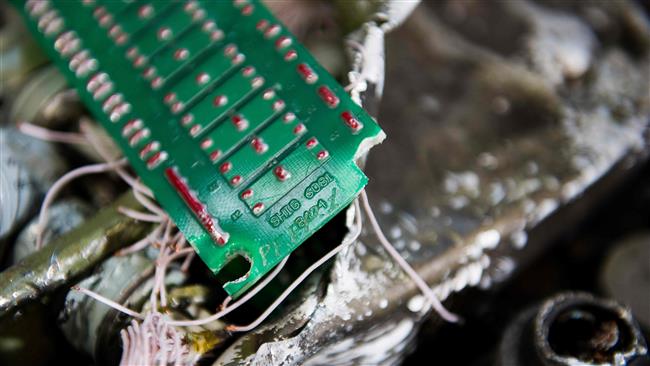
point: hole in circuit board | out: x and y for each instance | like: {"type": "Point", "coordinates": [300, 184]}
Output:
{"type": "Point", "coordinates": [236, 270]}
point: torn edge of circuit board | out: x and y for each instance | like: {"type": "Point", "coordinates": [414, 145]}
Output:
{"type": "Point", "coordinates": [151, 153]}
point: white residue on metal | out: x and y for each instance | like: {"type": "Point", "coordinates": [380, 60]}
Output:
{"type": "Point", "coordinates": [385, 207]}
{"type": "Point", "coordinates": [377, 347]}
{"type": "Point", "coordinates": [396, 12]}
{"type": "Point", "coordinates": [467, 183]}
{"type": "Point", "coordinates": [543, 209]}
{"type": "Point", "coordinates": [361, 249]}
{"type": "Point", "coordinates": [373, 62]}
{"type": "Point", "coordinates": [599, 143]}
{"type": "Point", "coordinates": [560, 45]}
{"type": "Point", "coordinates": [414, 245]}
{"type": "Point", "coordinates": [502, 269]}
{"type": "Point", "coordinates": [349, 283]}
{"type": "Point", "coordinates": [488, 239]}
{"type": "Point", "coordinates": [395, 232]}
{"type": "Point", "coordinates": [467, 276]}
{"type": "Point", "coordinates": [416, 303]}
{"type": "Point", "coordinates": [488, 161]}
{"type": "Point", "coordinates": [305, 309]}
{"type": "Point", "coordinates": [275, 351]}
{"type": "Point", "coordinates": [497, 193]}
{"type": "Point", "coordinates": [408, 222]}
{"type": "Point", "coordinates": [519, 238]}
{"type": "Point", "coordinates": [349, 289]}
{"type": "Point", "coordinates": [458, 202]}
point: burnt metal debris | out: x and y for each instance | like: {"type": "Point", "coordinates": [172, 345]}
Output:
{"type": "Point", "coordinates": [507, 122]}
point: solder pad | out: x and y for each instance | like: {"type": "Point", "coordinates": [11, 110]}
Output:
{"type": "Point", "coordinates": [245, 140]}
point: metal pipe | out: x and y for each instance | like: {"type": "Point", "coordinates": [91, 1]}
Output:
{"type": "Point", "coordinates": [70, 256]}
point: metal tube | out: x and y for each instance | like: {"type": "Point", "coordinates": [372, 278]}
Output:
{"type": "Point", "coordinates": [68, 257]}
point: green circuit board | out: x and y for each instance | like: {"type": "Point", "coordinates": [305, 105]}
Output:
{"type": "Point", "coordinates": [244, 139]}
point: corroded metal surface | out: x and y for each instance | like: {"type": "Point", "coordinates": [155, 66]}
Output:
{"type": "Point", "coordinates": [494, 146]}
{"type": "Point", "coordinates": [573, 328]}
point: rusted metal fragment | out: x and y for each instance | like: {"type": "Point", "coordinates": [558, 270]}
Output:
{"type": "Point", "coordinates": [70, 256]}
{"type": "Point", "coordinates": [495, 148]}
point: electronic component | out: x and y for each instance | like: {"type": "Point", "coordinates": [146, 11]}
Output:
{"type": "Point", "coordinates": [245, 140]}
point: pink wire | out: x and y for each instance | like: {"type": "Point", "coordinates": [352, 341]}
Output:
{"type": "Point", "coordinates": [421, 284]}
{"type": "Point", "coordinates": [140, 216]}
{"type": "Point", "coordinates": [108, 302]}
{"type": "Point", "coordinates": [51, 135]}
{"type": "Point", "coordinates": [97, 145]}
{"type": "Point", "coordinates": [238, 303]}
{"type": "Point", "coordinates": [142, 243]}
{"type": "Point", "coordinates": [60, 183]}
{"type": "Point", "coordinates": [346, 242]}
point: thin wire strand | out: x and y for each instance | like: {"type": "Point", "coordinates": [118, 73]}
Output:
{"type": "Point", "coordinates": [142, 243]}
{"type": "Point", "coordinates": [347, 241]}
{"type": "Point", "coordinates": [161, 270]}
{"type": "Point", "coordinates": [60, 183]}
{"type": "Point", "coordinates": [95, 142]}
{"type": "Point", "coordinates": [51, 135]}
{"type": "Point", "coordinates": [140, 216]}
{"type": "Point", "coordinates": [108, 302]}
{"type": "Point", "coordinates": [421, 284]}
{"type": "Point", "coordinates": [148, 204]}
{"type": "Point", "coordinates": [155, 292]}
{"type": "Point", "coordinates": [155, 342]}
{"type": "Point", "coordinates": [125, 346]}
{"type": "Point", "coordinates": [188, 261]}
{"type": "Point", "coordinates": [238, 303]}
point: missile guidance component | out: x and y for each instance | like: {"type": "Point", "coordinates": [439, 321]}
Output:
{"type": "Point", "coordinates": [244, 139]}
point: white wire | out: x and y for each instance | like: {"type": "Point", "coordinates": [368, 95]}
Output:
{"type": "Point", "coordinates": [108, 302]}
{"type": "Point", "coordinates": [60, 183]}
{"type": "Point", "coordinates": [347, 241]}
{"type": "Point", "coordinates": [421, 284]}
